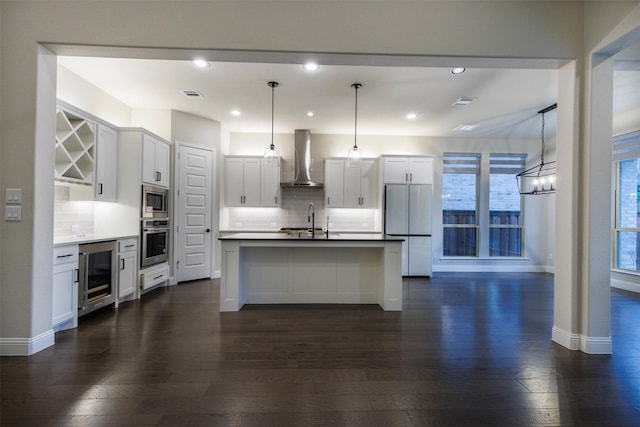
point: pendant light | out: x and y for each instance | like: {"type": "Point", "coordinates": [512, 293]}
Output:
{"type": "Point", "coordinates": [355, 153]}
{"type": "Point", "coordinates": [271, 152]}
{"type": "Point", "coordinates": [540, 179]}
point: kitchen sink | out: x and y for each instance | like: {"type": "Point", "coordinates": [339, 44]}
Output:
{"type": "Point", "coordinates": [304, 233]}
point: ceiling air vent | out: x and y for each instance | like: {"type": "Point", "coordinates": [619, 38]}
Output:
{"type": "Point", "coordinates": [465, 100]}
{"type": "Point", "coordinates": [192, 93]}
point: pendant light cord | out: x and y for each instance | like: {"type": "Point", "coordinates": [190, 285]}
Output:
{"type": "Point", "coordinates": [356, 86]}
{"type": "Point", "coordinates": [273, 87]}
{"type": "Point", "coordinates": [542, 139]}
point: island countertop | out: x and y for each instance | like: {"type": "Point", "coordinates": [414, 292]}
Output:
{"type": "Point", "coordinates": [334, 237]}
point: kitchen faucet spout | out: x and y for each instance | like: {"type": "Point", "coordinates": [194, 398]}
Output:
{"type": "Point", "coordinates": [311, 217]}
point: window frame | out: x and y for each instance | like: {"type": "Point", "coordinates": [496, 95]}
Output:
{"type": "Point", "coordinates": [513, 168]}
{"type": "Point", "coordinates": [625, 147]}
{"type": "Point", "coordinates": [476, 225]}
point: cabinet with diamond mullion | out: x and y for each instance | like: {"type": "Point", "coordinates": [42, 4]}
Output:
{"type": "Point", "coordinates": [75, 148]}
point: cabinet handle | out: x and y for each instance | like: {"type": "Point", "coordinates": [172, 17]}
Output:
{"type": "Point", "coordinates": [122, 266]}
{"type": "Point", "coordinates": [276, 199]}
{"type": "Point", "coordinates": [406, 177]}
{"type": "Point", "coordinates": [129, 246]}
{"type": "Point", "coordinates": [158, 277]}
{"type": "Point", "coordinates": [158, 176]}
{"type": "Point", "coordinates": [77, 271]}
{"type": "Point", "coordinates": [410, 177]}
{"type": "Point", "coordinates": [100, 188]}
{"type": "Point", "coordinates": [64, 256]}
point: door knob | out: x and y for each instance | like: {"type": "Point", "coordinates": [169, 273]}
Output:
{"type": "Point", "coordinates": [208, 230]}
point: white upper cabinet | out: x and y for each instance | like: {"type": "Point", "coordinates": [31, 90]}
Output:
{"type": "Point", "coordinates": [351, 184]}
{"type": "Point", "coordinates": [269, 183]}
{"type": "Point", "coordinates": [155, 161]}
{"type": "Point", "coordinates": [251, 182]}
{"type": "Point", "coordinates": [106, 164]}
{"type": "Point", "coordinates": [408, 170]}
{"type": "Point", "coordinates": [334, 183]}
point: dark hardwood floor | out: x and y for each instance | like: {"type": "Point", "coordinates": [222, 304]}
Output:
{"type": "Point", "coordinates": [468, 350]}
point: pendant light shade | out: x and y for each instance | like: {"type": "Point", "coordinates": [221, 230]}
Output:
{"type": "Point", "coordinates": [271, 152]}
{"type": "Point", "coordinates": [541, 178]}
{"type": "Point", "coordinates": [354, 152]}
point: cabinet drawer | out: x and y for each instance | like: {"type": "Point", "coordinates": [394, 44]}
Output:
{"type": "Point", "coordinates": [154, 276]}
{"type": "Point", "coordinates": [65, 254]}
{"type": "Point", "coordinates": [127, 245]}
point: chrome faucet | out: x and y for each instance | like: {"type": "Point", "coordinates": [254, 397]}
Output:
{"type": "Point", "coordinates": [311, 217]}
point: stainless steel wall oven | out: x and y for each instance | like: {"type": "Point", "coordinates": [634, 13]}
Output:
{"type": "Point", "coordinates": [97, 286]}
{"type": "Point", "coordinates": [155, 241]}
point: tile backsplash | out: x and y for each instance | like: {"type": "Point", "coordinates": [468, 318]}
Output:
{"type": "Point", "coordinates": [293, 213]}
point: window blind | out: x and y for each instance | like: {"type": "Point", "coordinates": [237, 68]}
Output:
{"type": "Point", "coordinates": [461, 163]}
{"type": "Point", "coordinates": [626, 147]}
{"type": "Point", "coordinates": [509, 164]}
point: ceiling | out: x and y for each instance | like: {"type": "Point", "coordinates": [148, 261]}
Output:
{"type": "Point", "coordinates": [506, 105]}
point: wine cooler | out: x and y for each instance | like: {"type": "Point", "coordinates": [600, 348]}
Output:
{"type": "Point", "coordinates": [97, 287]}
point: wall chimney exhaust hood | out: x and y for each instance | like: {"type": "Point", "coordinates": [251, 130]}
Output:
{"type": "Point", "coordinates": [302, 162]}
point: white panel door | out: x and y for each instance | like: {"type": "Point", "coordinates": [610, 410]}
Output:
{"type": "Point", "coordinates": [352, 180]}
{"type": "Point", "coordinates": [269, 183]}
{"type": "Point", "coordinates": [193, 236]}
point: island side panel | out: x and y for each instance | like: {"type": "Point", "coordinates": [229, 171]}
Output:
{"type": "Point", "coordinates": [230, 280]}
{"type": "Point", "coordinates": [359, 274]}
{"type": "Point", "coordinates": [390, 297]}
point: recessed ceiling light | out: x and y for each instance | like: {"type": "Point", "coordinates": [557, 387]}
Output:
{"type": "Point", "coordinates": [458, 70]}
{"type": "Point", "coordinates": [236, 113]}
{"type": "Point", "coordinates": [201, 63]}
{"type": "Point", "coordinates": [311, 66]}
{"type": "Point", "coordinates": [309, 113]}
{"type": "Point", "coordinates": [465, 100]}
{"type": "Point", "coordinates": [411, 116]}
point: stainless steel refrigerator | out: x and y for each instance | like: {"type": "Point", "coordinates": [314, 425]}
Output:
{"type": "Point", "coordinates": [407, 213]}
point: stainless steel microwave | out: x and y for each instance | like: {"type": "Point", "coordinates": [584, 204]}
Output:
{"type": "Point", "coordinates": [155, 202]}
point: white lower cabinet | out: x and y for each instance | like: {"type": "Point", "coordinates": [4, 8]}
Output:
{"type": "Point", "coordinates": [127, 269]}
{"type": "Point", "coordinates": [64, 299]}
{"type": "Point", "coordinates": [153, 276]}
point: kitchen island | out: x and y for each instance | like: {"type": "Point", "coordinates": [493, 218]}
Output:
{"type": "Point", "coordinates": [341, 268]}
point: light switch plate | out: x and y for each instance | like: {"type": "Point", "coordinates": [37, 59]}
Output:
{"type": "Point", "coordinates": [13, 213]}
{"type": "Point", "coordinates": [13, 195]}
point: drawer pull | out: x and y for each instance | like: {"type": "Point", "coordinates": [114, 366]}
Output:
{"type": "Point", "coordinates": [158, 277]}
{"type": "Point", "coordinates": [64, 256]}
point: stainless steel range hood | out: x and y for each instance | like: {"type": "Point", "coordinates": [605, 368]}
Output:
{"type": "Point", "coordinates": [302, 162]}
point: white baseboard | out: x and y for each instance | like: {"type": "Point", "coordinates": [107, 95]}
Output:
{"type": "Point", "coordinates": [565, 339]}
{"type": "Point", "coordinates": [589, 345]}
{"type": "Point", "coordinates": [596, 345]}
{"type": "Point", "coordinates": [26, 346]}
{"type": "Point", "coordinates": [491, 268]}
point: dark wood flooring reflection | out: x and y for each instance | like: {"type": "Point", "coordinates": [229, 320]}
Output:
{"type": "Point", "coordinates": [468, 350]}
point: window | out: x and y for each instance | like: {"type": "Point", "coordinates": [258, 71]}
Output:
{"type": "Point", "coordinates": [460, 204]}
{"type": "Point", "coordinates": [505, 214]}
{"type": "Point", "coordinates": [626, 155]}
